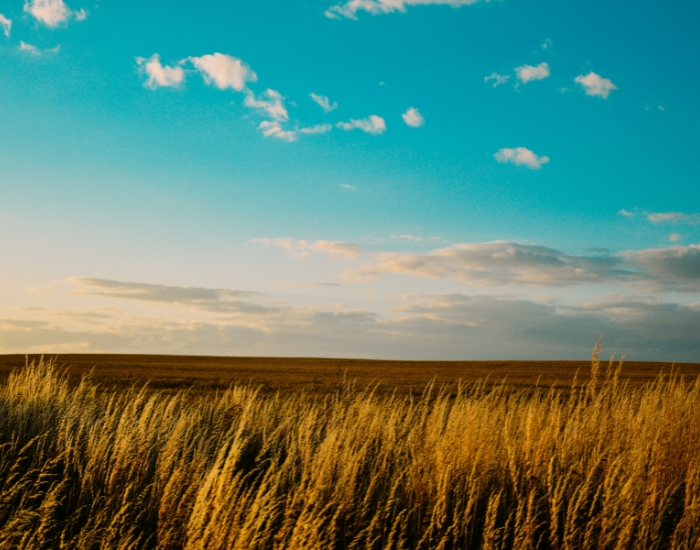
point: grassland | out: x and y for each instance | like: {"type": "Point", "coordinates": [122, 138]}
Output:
{"type": "Point", "coordinates": [608, 463]}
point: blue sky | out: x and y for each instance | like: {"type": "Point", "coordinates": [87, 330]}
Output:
{"type": "Point", "coordinates": [469, 179]}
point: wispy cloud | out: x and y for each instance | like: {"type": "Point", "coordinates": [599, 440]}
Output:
{"type": "Point", "coordinates": [528, 73]}
{"type": "Point", "coordinates": [497, 78]}
{"type": "Point", "coordinates": [30, 48]}
{"type": "Point", "coordinates": [156, 293]}
{"type": "Point", "coordinates": [52, 13]}
{"type": "Point", "coordinates": [663, 217]}
{"type": "Point", "coordinates": [595, 85]}
{"type": "Point", "coordinates": [673, 217]}
{"type": "Point", "coordinates": [375, 7]}
{"type": "Point", "coordinates": [372, 125]}
{"type": "Point", "coordinates": [521, 156]}
{"type": "Point", "coordinates": [317, 129]}
{"type": "Point", "coordinates": [158, 74]}
{"type": "Point", "coordinates": [224, 71]}
{"type": "Point", "coordinates": [271, 103]}
{"type": "Point", "coordinates": [304, 249]}
{"type": "Point", "coordinates": [324, 102]}
{"type": "Point", "coordinates": [413, 118]}
{"type": "Point", "coordinates": [272, 128]}
{"type": "Point", "coordinates": [407, 237]}
{"type": "Point", "coordinates": [216, 300]}
{"type": "Point", "coordinates": [6, 25]}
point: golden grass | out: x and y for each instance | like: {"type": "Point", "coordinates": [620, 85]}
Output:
{"type": "Point", "coordinates": [604, 465]}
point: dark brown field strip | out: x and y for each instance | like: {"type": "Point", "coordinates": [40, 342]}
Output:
{"type": "Point", "coordinates": [171, 372]}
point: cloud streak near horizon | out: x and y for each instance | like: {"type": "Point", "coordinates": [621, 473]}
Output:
{"type": "Point", "coordinates": [418, 326]}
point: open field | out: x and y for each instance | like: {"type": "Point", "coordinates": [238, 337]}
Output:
{"type": "Point", "coordinates": [606, 465]}
{"type": "Point", "coordinates": [273, 374]}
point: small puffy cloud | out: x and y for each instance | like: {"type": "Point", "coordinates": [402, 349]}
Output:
{"type": "Point", "coordinates": [52, 13]}
{"type": "Point", "coordinates": [521, 156]}
{"type": "Point", "coordinates": [272, 128]}
{"type": "Point", "coordinates": [497, 78]}
{"type": "Point", "coordinates": [6, 25]}
{"type": "Point", "coordinates": [23, 46]}
{"type": "Point", "coordinates": [674, 237]}
{"type": "Point", "coordinates": [224, 71]}
{"type": "Point", "coordinates": [30, 48]}
{"type": "Point", "coordinates": [528, 73]}
{"type": "Point", "coordinates": [413, 118]}
{"type": "Point", "coordinates": [318, 129]}
{"type": "Point", "coordinates": [498, 263]}
{"type": "Point", "coordinates": [324, 102]}
{"type": "Point", "coordinates": [547, 44]}
{"type": "Point", "coordinates": [271, 102]}
{"type": "Point", "coordinates": [626, 213]}
{"type": "Point", "coordinates": [375, 7]}
{"type": "Point", "coordinates": [158, 74]}
{"type": "Point", "coordinates": [304, 249]}
{"type": "Point", "coordinates": [81, 14]}
{"type": "Point", "coordinates": [595, 85]}
{"type": "Point", "coordinates": [372, 125]}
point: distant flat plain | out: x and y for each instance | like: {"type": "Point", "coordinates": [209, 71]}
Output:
{"type": "Point", "coordinates": [317, 375]}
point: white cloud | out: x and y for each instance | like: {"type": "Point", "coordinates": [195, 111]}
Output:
{"type": "Point", "coordinates": [159, 75]}
{"type": "Point", "coordinates": [547, 44]}
{"type": "Point", "coordinates": [6, 25]}
{"type": "Point", "coordinates": [497, 78]}
{"type": "Point", "coordinates": [626, 213]}
{"type": "Point", "coordinates": [224, 71]}
{"type": "Point", "coordinates": [372, 125]}
{"type": "Point", "coordinates": [52, 12]}
{"type": "Point", "coordinates": [304, 249]}
{"type": "Point", "coordinates": [324, 102]}
{"type": "Point", "coordinates": [521, 156]}
{"type": "Point", "coordinates": [318, 129]}
{"type": "Point", "coordinates": [272, 128]}
{"type": "Point", "coordinates": [674, 237]}
{"type": "Point", "coordinates": [595, 85]}
{"type": "Point", "coordinates": [528, 73]}
{"type": "Point", "coordinates": [273, 105]}
{"type": "Point", "coordinates": [413, 118]}
{"type": "Point", "coordinates": [347, 186]}
{"type": "Point", "coordinates": [349, 9]}
{"type": "Point", "coordinates": [30, 48]}
{"type": "Point", "coordinates": [81, 14]}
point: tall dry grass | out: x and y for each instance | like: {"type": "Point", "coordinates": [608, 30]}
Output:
{"type": "Point", "coordinates": [602, 466]}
